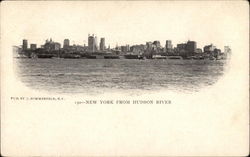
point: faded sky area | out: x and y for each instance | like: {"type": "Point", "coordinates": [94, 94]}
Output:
{"type": "Point", "coordinates": [126, 22]}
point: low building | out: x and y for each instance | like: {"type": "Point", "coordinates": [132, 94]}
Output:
{"type": "Point", "coordinates": [52, 46]}
{"type": "Point", "coordinates": [157, 44]}
{"type": "Point", "coordinates": [181, 46]}
{"type": "Point", "coordinates": [33, 46]}
{"type": "Point", "coordinates": [138, 49]}
{"type": "Point", "coordinates": [227, 49]}
{"type": "Point", "coordinates": [198, 50]}
{"type": "Point", "coordinates": [17, 51]}
{"type": "Point", "coordinates": [209, 48]}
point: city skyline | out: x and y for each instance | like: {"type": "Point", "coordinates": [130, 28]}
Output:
{"type": "Point", "coordinates": [68, 42]}
{"type": "Point", "coordinates": [127, 22]}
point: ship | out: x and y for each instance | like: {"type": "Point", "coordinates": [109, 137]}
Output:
{"type": "Point", "coordinates": [91, 57]}
{"type": "Point", "coordinates": [174, 57]}
{"type": "Point", "coordinates": [71, 56]}
{"type": "Point", "coordinates": [131, 56]}
{"type": "Point", "coordinates": [111, 57]}
{"type": "Point", "coordinates": [159, 57]}
{"type": "Point", "coordinates": [43, 56]}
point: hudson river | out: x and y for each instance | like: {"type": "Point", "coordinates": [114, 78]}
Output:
{"type": "Point", "coordinates": [97, 76]}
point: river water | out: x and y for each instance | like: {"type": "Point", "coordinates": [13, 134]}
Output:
{"type": "Point", "coordinates": [97, 76]}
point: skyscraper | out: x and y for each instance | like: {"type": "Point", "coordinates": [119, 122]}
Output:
{"type": "Point", "coordinates": [25, 44]}
{"type": "Point", "coordinates": [66, 43]}
{"type": "Point", "coordinates": [92, 43]}
{"type": "Point", "coordinates": [102, 44]}
{"type": "Point", "coordinates": [168, 45]}
{"type": "Point", "coordinates": [191, 46]}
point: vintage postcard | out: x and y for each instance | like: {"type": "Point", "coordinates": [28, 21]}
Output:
{"type": "Point", "coordinates": [124, 78]}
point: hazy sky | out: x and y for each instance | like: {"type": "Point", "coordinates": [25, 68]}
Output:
{"type": "Point", "coordinates": [126, 22]}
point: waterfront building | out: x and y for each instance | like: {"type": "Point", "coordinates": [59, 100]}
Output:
{"type": "Point", "coordinates": [79, 48]}
{"type": "Point", "coordinates": [138, 49]}
{"type": "Point", "coordinates": [157, 44]}
{"type": "Point", "coordinates": [227, 49]}
{"type": "Point", "coordinates": [168, 46]}
{"type": "Point", "coordinates": [17, 51]}
{"type": "Point", "coordinates": [51, 46]}
{"type": "Point", "coordinates": [217, 51]}
{"type": "Point", "coordinates": [175, 50]}
{"type": "Point", "coordinates": [209, 48]}
{"type": "Point", "coordinates": [25, 44]}
{"type": "Point", "coordinates": [66, 43]}
{"type": "Point", "coordinates": [181, 46]}
{"type": "Point", "coordinates": [198, 50]}
{"type": "Point", "coordinates": [149, 46]}
{"type": "Point", "coordinates": [92, 43]}
{"type": "Point", "coordinates": [33, 46]}
{"type": "Point", "coordinates": [102, 44]}
{"type": "Point", "coordinates": [191, 46]}
{"type": "Point", "coordinates": [125, 48]}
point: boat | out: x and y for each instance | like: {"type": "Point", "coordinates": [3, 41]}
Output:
{"type": "Point", "coordinates": [71, 56]}
{"type": "Point", "coordinates": [111, 57]}
{"type": "Point", "coordinates": [43, 56]}
{"type": "Point", "coordinates": [131, 56]}
{"type": "Point", "coordinates": [91, 57]}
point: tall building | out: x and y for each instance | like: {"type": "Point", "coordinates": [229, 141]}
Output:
{"type": "Point", "coordinates": [191, 46]}
{"type": "Point", "coordinates": [33, 46]}
{"type": "Point", "coordinates": [96, 43]}
{"type": "Point", "coordinates": [149, 46]}
{"type": "Point", "coordinates": [127, 48]}
{"type": "Point", "coordinates": [102, 44]}
{"type": "Point", "coordinates": [168, 45]}
{"type": "Point", "coordinates": [66, 43]}
{"type": "Point", "coordinates": [92, 43]}
{"type": "Point", "coordinates": [25, 44]}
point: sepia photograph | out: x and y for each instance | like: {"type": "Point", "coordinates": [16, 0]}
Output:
{"type": "Point", "coordinates": [125, 78]}
{"type": "Point", "coordinates": [131, 50]}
